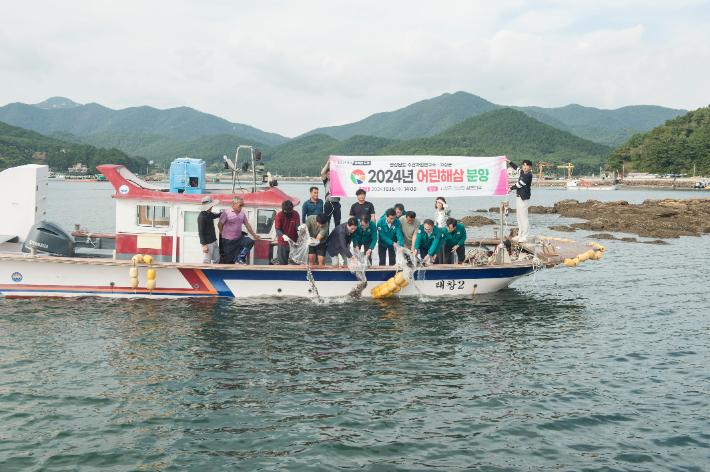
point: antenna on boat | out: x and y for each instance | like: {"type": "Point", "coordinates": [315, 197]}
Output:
{"type": "Point", "coordinates": [234, 167]}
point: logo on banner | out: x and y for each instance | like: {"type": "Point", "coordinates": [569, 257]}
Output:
{"type": "Point", "coordinates": [123, 189]}
{"type": "Point", "coordinates": [433, 188]}
{"type": "Point", "coordinates": [358, 177]}
{"type": "Point", "coordinates": [16, 277]}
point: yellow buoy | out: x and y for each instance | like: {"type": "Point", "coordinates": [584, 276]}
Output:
{"type": "Point", "coordinates": [396, 289]}
{"type": "Point", "coordinates": [134, 272]}
{"type": "Point", "coordinates": [137, 259]}
{"type": "Point", "coordinates": [376, 295]}
{"type": "Point", "coordinates": [399, 279]}
{"type": "Point", "coordinates": [391, 286]}
{"type": "Point", "coordinates": [583, 257]}
{"type": "Point", "coordinates": [590, 253]}
{"type": "Point", "coordinates": [569, 262]}
{"type": "Point", "coordinates": [602, 248]}
{"type": "Point", "coordinates": [150, 285]}
{"type": "Point", "coordinates": [598, 255]}
{"type": "Point", "coordinates": [565, 240]}
{"type": "Point", "coordinates": [404, 284]}
{"type": "Point", "coordinates": [148, 259]}
{"type": "Point", "coordinates": [134, 282]}
{"type": "Point", "coordinates": [151, 274]}
{"type": "Point", "coordinates": [576, 261]}
{"type": "Point", "coordinates": [376, 289]}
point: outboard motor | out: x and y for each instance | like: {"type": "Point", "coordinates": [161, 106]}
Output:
{"type": "Point", "coordinates": [49, 238]}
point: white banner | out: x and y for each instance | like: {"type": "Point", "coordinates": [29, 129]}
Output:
{"type": "Point", "coordinates": [417, 176]}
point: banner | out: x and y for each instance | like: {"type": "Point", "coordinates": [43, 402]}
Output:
{"type": "Point", "coordinates": [418, 176]}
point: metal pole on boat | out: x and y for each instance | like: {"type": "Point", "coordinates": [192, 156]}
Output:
{"type": "Point", "coordinates": [253, 170]}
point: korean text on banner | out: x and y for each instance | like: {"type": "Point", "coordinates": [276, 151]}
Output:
{"type": "Point", "coordinates": [417, 176]}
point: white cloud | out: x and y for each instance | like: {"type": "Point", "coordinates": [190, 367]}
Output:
{"type": "Point", "coordinates": [289, 67]}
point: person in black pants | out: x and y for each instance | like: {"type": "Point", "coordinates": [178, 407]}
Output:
{"type": "Point", "coordinates": [332, 204]}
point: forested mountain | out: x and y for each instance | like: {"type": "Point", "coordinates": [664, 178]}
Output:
{"type": "Point", "coordinates": [307, 155]}
{"type": "Point", "coordinates": [179, 124]}
{"type": "Point", "coordinates": [160, 148]}
{"type": "Point", "coordinates": [57, 102]}
{"type": "Point", "coordinates": [512, 133]}
{"type": "Point", "coordinates": [424, 118]}
{"type": "Point", "coordinates": [19, 146]}
{"type": "Point", "coordinates": [430, 117]}
{"type": "Point", "coordinates": [671, 148]}
{"type": "Point", "coordinates": [498, 132]}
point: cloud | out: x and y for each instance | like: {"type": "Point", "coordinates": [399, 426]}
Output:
{"type": "Point", "coordinates": [289, 67]}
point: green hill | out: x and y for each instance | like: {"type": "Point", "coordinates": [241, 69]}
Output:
{"type": "Point", "coordinates": [179, 124]}
{"type": "Point", "coordinates": [424, 118]}
{"type": "Point", "coordinates": [162, 149]}
{"type": "Point", "coordinates": [429, 117]}
{"type": "Point", "coordinates": [512, 133]}
{"type": "Point", "coordinates": [19, 146]}
{"type": "Point", "coordinates": [307, 155]}
{"type": "Point", "coordinates": [671, 148]}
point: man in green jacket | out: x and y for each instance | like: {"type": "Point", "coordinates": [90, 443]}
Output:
{"type": "Point", "coordinates": [454, 237]}
{"type": "Point", "coordinates": [365, 237]}
{"type": "Point", "coordinates": [429, 241]}
{"type": "Point", "coordinates": [389, 234]}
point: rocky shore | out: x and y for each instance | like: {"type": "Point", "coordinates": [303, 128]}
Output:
{"type": "Point", "coordinates": [667, 218]}
{"type": "Point", "coordinates": [663, 219]}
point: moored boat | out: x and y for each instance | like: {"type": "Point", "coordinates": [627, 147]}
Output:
{"type": "Point", "coordinates": [38, 258]}
{"type": "Point", "coordinates": [579, 184]}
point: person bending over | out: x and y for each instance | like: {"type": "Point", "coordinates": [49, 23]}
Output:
{"type": "Point", "coordinates": [454, 238]}
{"type": "Point", "coordinates": [317, 226]}
{"type": "Point", "coordinates": [286, 225]}
{"type": "Point", "coordinates": [338, 245]}
{"type": "Point", "coordinates": [389, 235]}
{"type": "Point", "coordinates": [410, 224]}
{"type": "Point", "coordinates": [365, 237]}
{"type": "Point", "coordinates": [429, 241]}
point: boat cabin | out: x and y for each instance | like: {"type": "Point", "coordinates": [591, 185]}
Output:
{"type": "Point", "coordinates": [162, 221]}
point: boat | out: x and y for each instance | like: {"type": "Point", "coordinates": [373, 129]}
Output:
{"type": "Point", "coordinates": [85, 178]}
{"type": "Point", "coordinates": [700, 184]}
{"type": "Point", "coordinates": [156, 242]}
{"type": "Point", "coordinates": [579, 184]}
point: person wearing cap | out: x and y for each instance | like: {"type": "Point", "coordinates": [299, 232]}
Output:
{"type": "Point", "coordinates": [208, 235]}
{"type": "Point", "coordinates": [286, 225]}
{"type": "Point", "coordinates": [236, 245]}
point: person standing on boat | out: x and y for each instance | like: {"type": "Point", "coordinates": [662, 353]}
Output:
{"type": "Point", "coordinates": [236, 245]}
{"type": "Point", "coordinates": [312, 206]}
{"type": "Point", "coordinates": [339, 242]}
{"type": "Point", "coordinates": [522, 188]}
{"type": "Point", "coordinates": [429, 241]}
{"type": "Point", "coordinates": [332, 204]}
{"type": "Point", "coordinates": [365, 237]}
{"type": "Point", "coordinates": [410, 224]}
{"type": "Point", "coordinates": [205, 228]}
{"type": "Point", "coordinates": [454, 238]}
{"type": "Point", "coordinates": [361, 207]}
{"type": "Point", "coordinates": [286, 225]}
{"type": "Point", "coordinates": [441, 214]}
{"type": "Point", "coordinates": [389, 235]}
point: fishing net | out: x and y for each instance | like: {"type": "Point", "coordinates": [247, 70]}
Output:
{"type": "Point", "coordinates": [299, 248]}
{"type": "Point", "coordinates": [358, 269]}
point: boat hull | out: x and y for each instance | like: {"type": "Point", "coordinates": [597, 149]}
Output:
{"type": "Point", "coordinates": [69, 277]}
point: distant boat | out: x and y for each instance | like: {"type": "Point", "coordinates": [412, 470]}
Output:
{"type": "Point", "coordinates": [86, 178]}
{"type": "Point", "coordinates": [702, 184]}
{"type": "Point", "coordinates": [579, 184]}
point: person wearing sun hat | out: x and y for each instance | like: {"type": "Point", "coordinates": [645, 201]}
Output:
{"type": "Point", "coordinates": [205, 228]}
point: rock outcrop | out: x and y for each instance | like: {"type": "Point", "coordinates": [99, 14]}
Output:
{"type": "Point", "coordinates": [667, 218]}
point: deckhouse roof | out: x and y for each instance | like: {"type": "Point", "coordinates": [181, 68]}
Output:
{"type": "Point", "coordinates": [130, 186]}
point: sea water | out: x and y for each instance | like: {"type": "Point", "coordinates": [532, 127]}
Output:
{"type": "Point", "coordinates": [599, 367]}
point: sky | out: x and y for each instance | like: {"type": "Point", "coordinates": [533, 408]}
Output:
{"type": "Point", "coordinates": [291, 66]}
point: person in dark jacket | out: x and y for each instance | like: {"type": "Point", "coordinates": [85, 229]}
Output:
{"type": "Point", "coordinates": [338, 244]}
{"type": "Point", "coordinates": [286, 225]}
{"type": "Point", "coordinates": [429, 241]}
{"type": "Point", "coordinates": [208, 235]}
{"type": "Point", "coordinates": [522, 188]}
{"type": "Point", "coordinates": [454, 237]}
{"type": "Point", "coordinates": [365, 237]}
